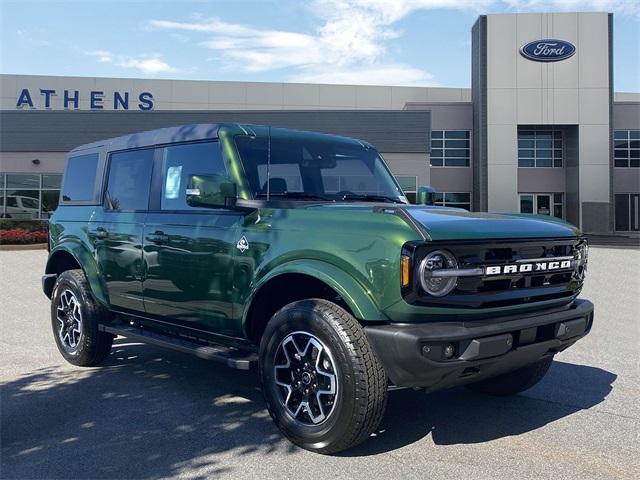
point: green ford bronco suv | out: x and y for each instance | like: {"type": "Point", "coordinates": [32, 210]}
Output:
{"type": "Point", "coordinates": [298, 254]}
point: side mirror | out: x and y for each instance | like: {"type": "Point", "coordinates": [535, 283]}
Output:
{"type": "Point", "coordinates": [426, 196]}
{"type": "Point", "coordinates": [211, 191]}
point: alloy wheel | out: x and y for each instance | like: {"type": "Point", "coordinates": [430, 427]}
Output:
{"type": "Point", "coordinates": [306, 376]}
{"type": "Point", "coordinates": [69, 321]}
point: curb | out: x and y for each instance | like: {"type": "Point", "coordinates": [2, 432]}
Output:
{"type": "Point", "coordinates": [32, 246]}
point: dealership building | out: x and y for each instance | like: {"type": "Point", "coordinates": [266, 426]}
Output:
{"type": "Point", "coordinates": [541, 129]}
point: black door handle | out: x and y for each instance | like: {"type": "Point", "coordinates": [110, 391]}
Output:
{"type": "Point", "coordinates": [158, 237]}
{"type": "Point", "coordinates": [100, 233]}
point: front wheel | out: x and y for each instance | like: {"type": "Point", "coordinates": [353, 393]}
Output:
{"type": "Point", "coordinates": [324, 387]}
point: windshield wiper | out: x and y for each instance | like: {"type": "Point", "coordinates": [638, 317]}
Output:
{"type": "Point", "coordinates": [372, 198]}
{"type": "Point", "coordinates": [296, 195]}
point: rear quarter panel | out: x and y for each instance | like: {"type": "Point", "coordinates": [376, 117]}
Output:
{"type": "Point", "coordinates": [69, 231]}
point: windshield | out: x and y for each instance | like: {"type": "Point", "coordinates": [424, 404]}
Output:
{"type": "Point", "coordinates": [315, 167]}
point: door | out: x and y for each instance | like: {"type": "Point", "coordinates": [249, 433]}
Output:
{"type": "Point", "coordinates": [551, 204]}
{"type": "Point", "coordinates": [188, 251]}
{"type": "Point", "coordinates": [116, 229]}
{"type": "Point", "coordinates": [543, 204]}
{"type": "Point", "coordinates": [634, 212]}
{"type": "Point", "coordinates": [627, 212]}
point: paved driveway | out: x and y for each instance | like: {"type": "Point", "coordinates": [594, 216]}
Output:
{"type": "Point", "coordinates": [150, 413]}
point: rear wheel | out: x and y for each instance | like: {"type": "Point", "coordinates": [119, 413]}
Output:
{"type": "Point", "coordinates": [514, 382]}
{"type": "Point", "coordinates": [324, 387]}
{"type": "Point", "coordinates": [75, 316]}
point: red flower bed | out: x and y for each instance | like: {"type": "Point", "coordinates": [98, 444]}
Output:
{"type": "Point", "coordinates": [21, 236]}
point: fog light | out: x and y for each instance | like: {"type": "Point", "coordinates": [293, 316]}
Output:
{"type": "Point", "coordinates": [448, 350]}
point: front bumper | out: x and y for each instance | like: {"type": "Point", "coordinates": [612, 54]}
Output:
{"type": "Point", "coordinates": [413, 355]}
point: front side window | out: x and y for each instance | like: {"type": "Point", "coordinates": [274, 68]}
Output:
{"type": "Point", "coordinates": [179, 163]}
{"type": "Point", "coordinates": [314, 166]}
{"type": "Point", "coordinates": [450, 148]}
{"type": "Point", "coordinates": [453, 199]}
{"type": "Point", "coordinates": [129, 181]}
{"type": "Point", "coordinates": [541, 148]}
{"type": "Point", "coordinates": [626, 148]}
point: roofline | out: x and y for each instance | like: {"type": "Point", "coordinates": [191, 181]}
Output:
{"type": "Point", "coordinates": [192, 132]}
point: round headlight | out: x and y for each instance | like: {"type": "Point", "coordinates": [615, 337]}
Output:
{"type": "Point", "coordinates": [433, 277]}
{"type": "Point", "coordinates": [580, 260]}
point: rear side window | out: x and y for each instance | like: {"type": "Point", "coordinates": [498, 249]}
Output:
{"type": "Point", "coordinates": [179, 162]}
{"type": "Point", "coordinates": [79, 178]}
{"type": "Point", "coordinates": [129, 180]}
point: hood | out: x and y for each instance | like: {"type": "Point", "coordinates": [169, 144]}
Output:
{"type": "Point", "coordinates": [459, 224]}
{"type": "Point", "coordinates": [446, 223]}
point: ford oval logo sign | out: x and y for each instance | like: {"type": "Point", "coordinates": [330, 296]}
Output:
{"type": "Point", "coordinates": [549, 50]}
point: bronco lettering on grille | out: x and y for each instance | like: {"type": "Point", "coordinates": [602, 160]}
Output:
{"type": "Point", "coordinates": [532, 267]}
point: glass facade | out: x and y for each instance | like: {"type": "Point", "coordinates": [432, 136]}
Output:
{"type": "Point", "coordinates": [409, 186]}
{"type": "Point", "coordinates": [627, 212]}
{"type": "Point", "coordinates": [453, 199]}
{"type": "Point", "coordinates": [626, 153]}
{"type": "Point", "coordinates": [29, 196]}
{"type": "Point", "coordinates": [542, 204]}
{"type": "Point", "coordinates": [450, 148]}
{"type": "Point", "coordinates": [540, 147]}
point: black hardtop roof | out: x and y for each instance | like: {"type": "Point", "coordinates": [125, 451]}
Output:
{"type": "Point", "coordinates": [188, 133]}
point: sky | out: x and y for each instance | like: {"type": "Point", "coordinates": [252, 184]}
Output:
{"type": "Point", "coordinates": [374, 42]}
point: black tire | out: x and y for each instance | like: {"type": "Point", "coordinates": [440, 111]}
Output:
{"type": "Point", "coordinates": [92, 346]}
{"type": "Point", "coordinates": [361, 383]}
{"type": "Point", "coordinates": [514, 382]}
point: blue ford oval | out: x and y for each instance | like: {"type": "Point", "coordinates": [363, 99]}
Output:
{"type": "Point", "coordinates": [549, 50]}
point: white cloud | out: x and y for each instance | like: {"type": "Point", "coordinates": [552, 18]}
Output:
{"type": "Point", "coordinates": [102, 55]}
{"type": "Point", "coordinates": [378, 74]}
{"type": "Point", "coordinates": [148, 64]}
{"type": "Point", "coordinates": [350, 43]}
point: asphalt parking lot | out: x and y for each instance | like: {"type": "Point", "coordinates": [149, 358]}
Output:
{"type": "Point", "coordinates": [152, 413]}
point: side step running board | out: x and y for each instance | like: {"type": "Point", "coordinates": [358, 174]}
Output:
{"type": "Point", "coordinates": [232, 357]}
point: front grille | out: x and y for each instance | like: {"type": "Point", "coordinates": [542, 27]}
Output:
{"type": "Point", "coordinates": [499, 290]}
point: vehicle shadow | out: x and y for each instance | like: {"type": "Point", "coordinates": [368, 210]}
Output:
{"type": "Point", "coordinates": [149, 413]}
{"type": "Point", "coordinates": [146, 413]}
{"type": "Point", "coordinates": [460, 416]}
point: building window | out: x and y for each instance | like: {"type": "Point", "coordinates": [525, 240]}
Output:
{"type": "Point", "coordinates": [450, 148]}
{"type": "Point", "coordinates": [409, 186]}
{"type": "Point", "coordinates": [29, 196]}
{"type": "Point", "coordinates": [453, 199]}
{"type": "Point", "coordinates": [551, 204]}
{"type": "Point", "coordinates": [538, 147]}
{"type": "Point", "coordinates": [627, 208]}
{"type": "Point", "coordinates": [626, 153]}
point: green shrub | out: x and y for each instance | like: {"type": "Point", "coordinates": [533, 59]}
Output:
{"type": "Point", "coordinates": [28, 225]}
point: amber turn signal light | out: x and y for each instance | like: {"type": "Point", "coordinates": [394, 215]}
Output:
{"type": "Point", "coordinates": [404, 261]}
